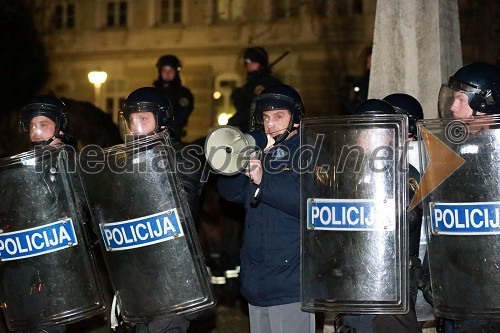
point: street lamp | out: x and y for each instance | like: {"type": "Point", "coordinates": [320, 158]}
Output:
{"type": "Point", "coordinates": [97, 78]}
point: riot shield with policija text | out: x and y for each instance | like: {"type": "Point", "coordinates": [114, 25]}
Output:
{"type": "Point", "coordinates": [461, 160]}
{"type": "Point", "coordinates": [147, 232]}
{"type": "Point", "coordinates": [354, 251]}
{"type": "Point", "coordinates": [48, 275]}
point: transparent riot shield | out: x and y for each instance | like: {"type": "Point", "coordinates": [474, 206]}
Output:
{"type": "Point", "coordinates": [462, 215]}
{"type": "Point", "coordinates": [48, 274]}
{"type": "Point", "coordinates": [353, 223]}
{"type": "Point", "coordinates": [147, 233]}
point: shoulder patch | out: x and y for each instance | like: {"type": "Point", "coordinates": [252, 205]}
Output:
{"type": "Point", "coordinates": [183, 101]}
{"type": "Point", "coordinates": [258, 89]}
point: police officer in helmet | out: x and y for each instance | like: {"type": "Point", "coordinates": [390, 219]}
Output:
{"type": "Point", "coordinates": [269, 191]}
{"type": "Point", "coordinates": [474, 90]}
{"type": "Point", "coordinates": [45, 118]}
{"type": "Point", "coordinates": [170, 84]}
{"type": "Point", "coordinates": [256, 62]}
{"type": "Point", "coordinates": [409, 105]}
{"type": "Point", "coordinates": [146, 111]}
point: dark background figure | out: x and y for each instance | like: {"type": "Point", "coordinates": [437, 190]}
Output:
{"type": "Point", "coordinates": [259, 77]}
{"type": "Point", "coordinates": [409, 105]}
{"type": "Point", "coordinates": [181, 98]}
{"type": "Point", "coordinates": [355, 90]}
{"type": "Point", "coordinates": [392, 322]}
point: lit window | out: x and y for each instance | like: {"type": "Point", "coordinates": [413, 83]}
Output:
{"type": "Point", "coordinates": [228, 10]}
{"type": "Point", "coordinates": [64, 15]}
{"type": "Point", "coordinates": [116, 14]}
{"type": "Point", "coordinates": [170, 11]}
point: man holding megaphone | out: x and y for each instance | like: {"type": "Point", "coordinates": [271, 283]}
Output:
{"type": "Point", "coordinates": [269, 190]}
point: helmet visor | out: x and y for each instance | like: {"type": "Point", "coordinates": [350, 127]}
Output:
{"type": "Point", "coordinates": [138, 119]}
{"type": "Point", "coordinates": [453, 102]}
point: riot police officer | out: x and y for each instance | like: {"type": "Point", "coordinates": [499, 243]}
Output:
{"type": "Point", "coordinates": [145, 112]}
{"type": "Point", "coordinates": [474, 90]}
{"type": "Point", "coordinates": [259, 77]}
{"type": "Point", "coordinates": [409, 105]}
{"type": "Point", "coordinates": [45, 121]}
{"type": "Point", "coordinates": [393, 322]}
{"type": "Point", "coordinates": [45, 118]}
{"type": "Point", "coordinates": [170, 84]}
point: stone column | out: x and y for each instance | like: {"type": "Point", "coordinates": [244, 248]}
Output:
{"type": "Point", "coordinates": [416, 48]}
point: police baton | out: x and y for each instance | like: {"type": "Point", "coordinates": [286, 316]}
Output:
{"type": "Point", "coordinates": [279, 59]}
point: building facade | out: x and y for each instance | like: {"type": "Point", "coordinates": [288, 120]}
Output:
{"type": "Point", "coordinates": [124, 38]}
{"type": "Point", "coordinates": [326, 40]}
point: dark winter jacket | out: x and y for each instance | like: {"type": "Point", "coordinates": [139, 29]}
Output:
{"type": "Point", "coordinates": [242, 97]}
{"type": "Point", "coordinates": [270, 253]}
{"type": "Point", "coordinates": [182, 101]}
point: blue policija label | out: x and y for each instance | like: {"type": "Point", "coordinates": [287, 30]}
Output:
{"type": "Point", "coordinates": [473, 218]}
{"type": "Point", "coordinates": [143, 231]}
{"type": "Point", "coordinates": [39, 240]}
{"type": "Point", "coordinates": [351, 214]}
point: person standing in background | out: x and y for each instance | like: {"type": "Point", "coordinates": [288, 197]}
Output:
{"type": "Point", "coordinates": [170, 84]}
{"type": "Point", "coordinates": [259, 77]}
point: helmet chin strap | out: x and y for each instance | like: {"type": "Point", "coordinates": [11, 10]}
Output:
{"type": "Point", "coordinates": [281, 137]}
{"type": "Point", "coordinates": [43, 143]}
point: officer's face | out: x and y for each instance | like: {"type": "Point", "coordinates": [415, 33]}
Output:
{"type": "Point", "coordinates": [251, 66]}
{"type": "Point", "coordinates": [41, 129]}
{"type": "Point", "coordinates": [142, 123]}
{"type": "Point", "coordinates": [460, 106]}
{"type": "Point", "coordinates": [276, 121]}
{"type": "Point", "coordinates": [168, 73]}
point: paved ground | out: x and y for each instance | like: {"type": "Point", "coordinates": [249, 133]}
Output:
{"type": "Point", "coordinates": [224, 320]}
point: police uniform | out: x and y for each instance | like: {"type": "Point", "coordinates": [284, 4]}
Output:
{"type": "Point", "coordinates": [180, 97]}
{"type": "Point", "coordinates": [182, 101]}
{"type": "Point", "coordinates": [242, 97]}
{"type": "Point", "coordinates": [270, 270]}
{"type": "Point", "coordinates": [465, 259]}
{"type": "Point", "coordinates": [257, 81]}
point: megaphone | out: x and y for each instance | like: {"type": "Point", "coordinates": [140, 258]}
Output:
{"type": "Point", "coordinates": [228, 150]}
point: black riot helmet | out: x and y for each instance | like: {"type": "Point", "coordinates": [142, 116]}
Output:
{"type": "Point", "coordinates": [374, 106]}
{"type": "Point", "coordinates": [277, 97]}
{"type": "Point", "coordinates": [256, 54]}
{"type": "Point", "coordinates": [142, 100]}
{"type": "Point", "coordinates": [169, 60]}
{"type": "Point", "coordinates": [409, 105]}
{"type": "Point", "coordinates": [480, 82]}
{"type": "Point", "coordinates": [47, 106]}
